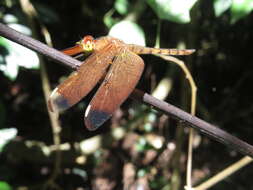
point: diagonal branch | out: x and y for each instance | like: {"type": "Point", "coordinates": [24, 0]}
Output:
{"type": "Point", "coordinates": [194, 122]}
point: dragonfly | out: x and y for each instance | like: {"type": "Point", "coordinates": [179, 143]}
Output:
{"type": "Point", "coordinates": [115, 63]}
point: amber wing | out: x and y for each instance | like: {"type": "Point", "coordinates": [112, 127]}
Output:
{"type": "Point", "coordinates": [119, 82]}
{"type": "Point", "coordinates": [80, 83]}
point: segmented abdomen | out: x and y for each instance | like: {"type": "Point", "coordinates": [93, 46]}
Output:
{"type": "Point", "coordinates": [147, 50]}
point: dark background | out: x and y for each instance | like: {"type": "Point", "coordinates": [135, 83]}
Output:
{"type": "Point", "coordinates": [221, 67]}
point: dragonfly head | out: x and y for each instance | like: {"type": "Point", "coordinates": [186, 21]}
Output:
{"type": "Point", "coordinates": [87, 43]}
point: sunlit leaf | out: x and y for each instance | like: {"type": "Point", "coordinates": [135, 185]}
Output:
{"type": "Point", "coordinates": [10, 69]}
{"type": "Point", "coordinates": [18, 56]}
{"type": "Point", "coordinates": [173, 10]}
{"type": "Point", "coordinates": [9, 18]}
{"type": "Point", "coordinates": [129, 32]}
{"type": "Point", "coordinates": [163, 88]}
{"type": "Point", "coordinates": [121, 6]}
{"type": "Point", "coordinates": [6, 135]}
{"type": "Point", "coordinates": [220, 6]}
{"type": "Point", "coordinates": [20, 28]}
{"type": "Point", "coordinates": [26, 57]}
{"type": "Point", "coordinates": [90, 145]}
{"type": "Point", "coordinates": [240, 9]}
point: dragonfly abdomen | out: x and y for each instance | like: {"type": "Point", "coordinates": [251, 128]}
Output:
{"type": "Point", "coordinates": [147, 50]}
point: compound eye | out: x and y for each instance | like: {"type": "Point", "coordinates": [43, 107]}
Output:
{"type": "Point", "coordinates": [87, 39]}
{"type": "Point", "coordinates": [87, 43]}
{"type": "Point", "coordinates": [88, 46]}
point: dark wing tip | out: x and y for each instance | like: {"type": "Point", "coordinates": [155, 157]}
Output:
{"type": "Point", "coordinates": [57, 102]}
{"type": "Point", "coordinates": [95, 118]}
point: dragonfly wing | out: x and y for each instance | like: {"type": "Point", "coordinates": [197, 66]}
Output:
{"type": "Point", "coordinates": [119, 82]}
{"type": "Point", "coordinates": [81, 82]}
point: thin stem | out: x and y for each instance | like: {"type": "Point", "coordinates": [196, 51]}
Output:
{"type": "Point", "coordinates": [194, 122]}
{"type": "Point", "coordinates": [37, 46]}
{"type": "Point", "coordinates": [226, 172]}
{"type": "Point", "coordinates": [193, 111]}
{"type": "Point", "coordinates": [31, 14]}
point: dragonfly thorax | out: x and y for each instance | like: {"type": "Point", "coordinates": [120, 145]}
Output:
{"type": "Point", "coordinates": [87, 43]}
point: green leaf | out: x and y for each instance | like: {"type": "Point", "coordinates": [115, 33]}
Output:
{"type": "Point", "coordinates": [4, 186]}
{"type": "Point", "coordinates": [142, 172]}
{"type": "Point", "coordinates": [173, 10]}
{"type": "Point", "coordinates": [122, 6]}
{"type": "Point", "coordinates": [9, 18]}
{"type": "Point", "coordinates": [17, 56]}
{"type": "Point", "coordinates": [109, 21]}
{"type": "Point", "coordinates": [10, 69]}
{"type": "Point", "coordinates": [220, 6]}
{"type": "Point", "coordinates": [141, 145]}
{"type": "Point", "coordinates": [6, 135]}
{"type": "Point", "coordinates": [240, 9]}
{"type": "Point", "coordinates": [129, 32]}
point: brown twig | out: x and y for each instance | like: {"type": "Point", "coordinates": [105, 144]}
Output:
{"type": "Point", "coordinates": [37, 46]}
{"type": "Point", "coordinates": [196, 123]}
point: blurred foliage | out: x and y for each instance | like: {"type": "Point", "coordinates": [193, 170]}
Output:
{"type": "Point", "coordinates": [220, 31]}
{"type": "Point", "coordinates": [238, 8]}
{"type": "Point", "coordinates": [173, 10]}
{"type": "Point", "coordinates": [4, 186]}
{"type": "Point", "coordinates": [122, 6]}
{"type": "Point", "coordinates": [6, 135]}
{"type": "Point", "coordinates": [15, 55]}
{"type": "Point", "coordinates": [129, 32]}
